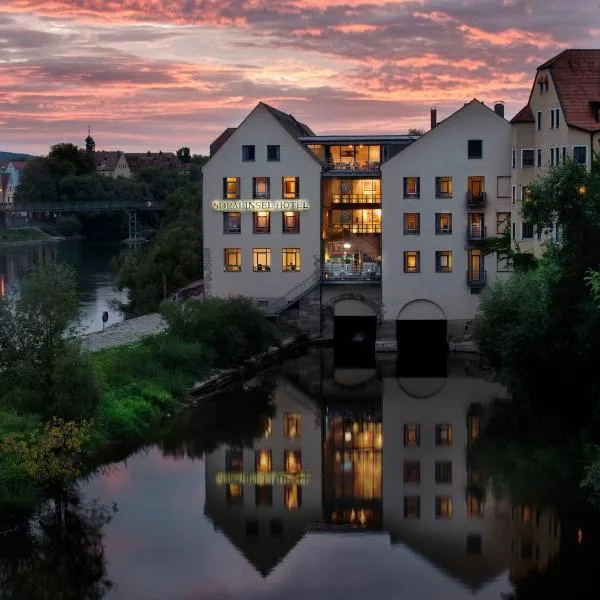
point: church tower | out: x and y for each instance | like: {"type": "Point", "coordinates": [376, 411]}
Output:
{"type": "Point", "coordinates": [90, 144]}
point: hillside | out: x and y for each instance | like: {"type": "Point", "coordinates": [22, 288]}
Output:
{"type": "Point", "coordinates": [14, 156]}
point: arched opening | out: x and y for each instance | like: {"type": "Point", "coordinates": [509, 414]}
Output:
{"type": "Point", "coordinates": [354, 332]}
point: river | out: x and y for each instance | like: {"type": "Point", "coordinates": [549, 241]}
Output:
{"type": "Point", "coordinates": [91, 262]}
{"type": "Point", "coordinates": [372, 485]}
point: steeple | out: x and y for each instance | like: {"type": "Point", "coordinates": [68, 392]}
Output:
{"type": "Point", "coordinates": [90, 144]}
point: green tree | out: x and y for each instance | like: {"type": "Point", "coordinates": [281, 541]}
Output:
{"type": "Point", "coordinates": [183, 154]}
{"type": "Point", "coordinates": [67, 159]}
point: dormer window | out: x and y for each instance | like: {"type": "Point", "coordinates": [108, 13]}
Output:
{"type": "Point", "coordinates": [543, 83]}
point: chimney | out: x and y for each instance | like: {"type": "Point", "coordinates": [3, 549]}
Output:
{"type": "Point", "coordinates": [499, 109]}
{"type": "Point", "coordinates": [433, 117]}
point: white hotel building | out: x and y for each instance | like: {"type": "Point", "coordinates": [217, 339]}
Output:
{"type": "Point", "coordinates": [364, 230]}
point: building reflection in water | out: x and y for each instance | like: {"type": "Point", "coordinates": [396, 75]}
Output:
{"type": "Point", "coordinates": [322, 467]}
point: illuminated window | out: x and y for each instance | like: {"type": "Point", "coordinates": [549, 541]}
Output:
{"type": "Point", "coordinates": [234, 461]}
{"type": "Point", "coordinates": [290, 259]}
{"type": "Point", "coordinates": [263, 495]}
{"type": "Point", "coordinates": [412, 187]}
{"type": "Point", "coordinates": [261, 259]}
{"type": "Point", "coordinates": [290, 222]}
{"type": "Point", "coordinates": [475, 506]}
{"type": "Point", "coordinates": [235, 495]}
{"type": "Point", "coordinates": [232, 259]}
{"type": "Point", "coordinates": [268, 428]}
{"type": "Point", "coordinates": [263, 461]}
{"type": "Point", "coordinates": [412, 471]}
{"type": "Point", "coordinates": [291, 187]}
{"type": "Point", "coordinates": [443, 187]}
{"type": "Point", "coordinates": [443, 261]}
{"type": "Point", "coordinates": [474, 424]}
{"type": "Point", "coordinates": [412, 435]}
{"type": "Point", "coordinates": [443, 507]}
{"type": "Point", "coordinates": [231, 188]}
{"type": "Point", "coordinates": [292, 460]}
{"type": "Point", "coordinates": [292, 425]}
{"type": "Point", "coordinates": [260, 187]}
{"type": "Point", "coordinates": [232, 222]}
{"type": "Point", "coordinates": [443, 471]}
{"type": "Point", "coordinates": [412, 223]}
{"type": "Point", "coordinates": [292, 496]}
{"type": "Point", "coordinates": [476, 186]}
{"type": "Point", "coordinates": [443, 435]}
{"type": "Point", "coordinates": [412, 261]}
{"type": "Point", "coordinates": [412, 507]}
{"type": "Point", "coordinates": [262, 221]}
{"type": "Point", "coordinates": [526, 514]}
{"type": "Point", "coordinates": [443, 223]}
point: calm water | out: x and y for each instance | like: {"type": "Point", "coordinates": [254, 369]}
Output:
{"type": "Point", "coordinates": [387, 500]}
{"type": "Point", "coordinates": [94, 275]}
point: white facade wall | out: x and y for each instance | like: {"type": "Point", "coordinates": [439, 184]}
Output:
{"type": "Point", "coordinates": [442, 152]}
{"type": "Point", "coordinates": [260, 129]}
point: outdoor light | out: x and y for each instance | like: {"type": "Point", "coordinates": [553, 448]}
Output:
{"type": "Point", "coordinates": [347, 246]}
{"type": "Point", "coordinates": [348, 436]}
{"type": "Point", "coordinates": [582, 190]}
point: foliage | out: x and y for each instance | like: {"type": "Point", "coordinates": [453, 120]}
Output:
{"type": "Point", "coordinates": [68, 226]}
{"type": "Point", "coordinates": [173, 258]}
{"type": "Point", "coordinates": [183, 154]}
{"type": "Point", "coordinates": [591, 481]}
{"type": "Point", "coordinates": [24, 234]}
{"type": "Point", "coordinates": [53, 454]}
{"type": "Point", "coordinates": [503, 247]}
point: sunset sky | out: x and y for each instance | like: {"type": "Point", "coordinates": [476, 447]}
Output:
{"type": "Point", "coordinates": [160, 74]}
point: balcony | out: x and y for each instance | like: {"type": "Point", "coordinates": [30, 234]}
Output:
{"type": "Point", "coordinates": [476, 232]}
{"type": "Point", "coordinates": [476, 278]}
{"type": "Point", "coordinates": [338, 229]}
{"type": "Point", "coordinates": [355, 198]}
{"type": "Point", "coordinates": [340, 273]}
{"type": "Point", "coordinates": [351, 168]}
{"type": "Point", "coordinates": [476, 199]}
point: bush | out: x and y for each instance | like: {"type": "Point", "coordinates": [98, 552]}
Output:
{"type": "Point", "coordinates": [68, 226]}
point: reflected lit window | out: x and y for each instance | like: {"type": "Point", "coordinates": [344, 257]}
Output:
{"type": "Point", "coordinates": [292, 425]}
{"type": "Point", "coordinates": [234, 461]}
{"type": "Point", "coordinates": [412, 507]}
{"type": "Point", "coordinates": [263, 461]}
{"type": "Point", "coordinates": [473, 427]}
{"type": "Point", "coordinates": [260, 187]}
{"type": "Point", "coordinates": [268, 428]}
{"type": "Point", "coordinates": [475, 506]}
{"type": "Point", "coordinates": [443, 435]}
{"type": "Point", "coordinates": [526, 514]}
{"type": "Point", "coordinates": [412, 471]}
{"type": "Point", "coordinates": [443, 471]}
{"type": "Point", "coordinates": [412, 435]}
{"type": "Point", "coordinates": [235, 495]}
{"type": "Point", "coordinates": [263, 495]}
{"type": "Point", "coordinates": [292, 461]}
{"type": "Point", "coordinates": [443, 507]}
{"type": "Point", "coordinates": [292, 497]}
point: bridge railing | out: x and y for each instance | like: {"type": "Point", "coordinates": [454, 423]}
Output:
{"type": "Point", "coordinates": [84, 206]}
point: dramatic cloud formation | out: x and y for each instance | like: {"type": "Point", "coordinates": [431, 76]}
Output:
{"type": "Point", "coordinates": [152, 74]}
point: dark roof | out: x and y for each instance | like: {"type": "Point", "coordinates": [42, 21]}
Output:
{"type": "Point", "coordinates": [216, 144]}
{"type": "Point", "coordinates": [289, 122]}
{"type": "Point", "coordinates": [142, 160]}
{"type": "Point", "coordinates": [525, 115]}
{"type": "Point", "coordinates": [381, 138]}
{"type": "Point", "coordinates": [5, 180]}
{"type": "Point", "coordinates": [106, 161]}
{"type": "Point", "coordinates": [576, 77]}
{"type": "Point", "coordinates": [19, 164]}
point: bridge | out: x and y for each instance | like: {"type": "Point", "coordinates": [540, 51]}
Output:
{"type": "Point", "coordinates": [132, 208]}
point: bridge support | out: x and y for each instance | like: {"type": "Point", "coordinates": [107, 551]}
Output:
{"type": "Point", "coordinates": [134, 226]}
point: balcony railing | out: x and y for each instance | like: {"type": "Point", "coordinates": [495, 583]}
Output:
{"type": "Point", "coordinates": [355, 198]}
{"type": "Point", "coordinates": [338, 228]}
{"type": "Point", "coordinates": [352, 166]}
{"type": "Point", "coordinates": [476, 232]}
{"type": "Point", "coordinates": [476, 278]}
{"type": "Point", "coordinates": [336, 272]}
{"type": "Point", "coordinates": [476, 199]}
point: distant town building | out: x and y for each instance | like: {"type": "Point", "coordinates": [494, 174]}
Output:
{"type": "Point", "coordinates": [7, 188]}
{"type": "Point", "coordinates": [112, 164]}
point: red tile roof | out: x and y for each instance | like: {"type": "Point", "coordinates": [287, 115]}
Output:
{"type": "Point", "coordinates": [576, 77]}
{"type": "Point", "coordinates": [525, 115]}
{"type": "Point", "coordinates": [142, 160]}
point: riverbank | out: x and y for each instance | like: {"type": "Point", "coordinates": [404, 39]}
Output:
{"type": "Point", "coordinates": [26, 235]}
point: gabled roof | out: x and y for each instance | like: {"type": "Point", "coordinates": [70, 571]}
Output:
{"type": "Point", "coordinates": [106, 161]}
{"type": "Point", "coordinates": [525, 115]}
{"type": "Point", "coordinates": [216, 144]}
{"type": "Point", "coordinates": [576, 77]}
{"type": "Point", "coordinates": [289, 122]}
{"type": "Point", "coordinates": [18, 164]}
{"type": "Point", "coordinates": [142, 160]}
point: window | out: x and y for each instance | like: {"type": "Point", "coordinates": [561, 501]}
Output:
{"type": "Point", "coordinates": [262, 221]}
{"type": "Point", "coordinates": [474, 544]}
{"type": "Point", "coordinates": [473, 424]}
{"type": "Point", "coordinates": [261, 259]}
{"type": "Point", "coordinates": [554, 118]}
{"type": "Point", "coordinates": [292, 425]}
{"type": "Point", "coordinates": [292, 497]}
{"type": "Point", "coordinates": [475, 149]}
{"type": "Point", "coordinates": [513, 158]}
{"type": "Point", "coordinates": [263, 461]}
{"type": "Point", "coordinates": [443, 471]}
{"type": "Point", "coordinates": [412, 187]}
{"type": "Point", "coordinates": [443, 507]}
{"type": "Point", "coordinates": [443, 223]}
{"type": "Point", "coordinates": [443, 261]}
{"type": "Point", "coordinates": [475, 506]}
{"type": "Point", "coordinates": [475, 190]}
{"type": "Point", "coordinates": [412, 435]}
{"type": "Point", "coordinates": [290, 187]}
{"type": "Point", "coordinates": [412, 223]}
{"type": "Point", "coordinates": [268, 428]}
{"type": "Point", "coordinates": [539, 121]}
{"type": "Point", "coordinates": [412, 471]}
{"type": "Point", "coordinates": [443, 435]}
{"type": "Point", "coordinates": [273, 153]}
{"type": "Point", "coordinates": [502, 222]}
{"type": "Point", "coordinates": [412, 262]}
{"type": "Point", "coordinates": [292, 461]}
{"type": "Point", "coordinates": [290, 259]}
{"type": "Point", "coordinates": [514, 233]}
{"type": "Point", "coordinates": [232, 260]}
{"type": "Point", "coordinates": [526, 231]}
{"type": "Point", "coordinates": [290, 222]}
{"type": "Point", "coordinates": [539, 158]}
{"type": "Point", "coordinates": [412, 507]}
{"type": "Point", "coordinates": [231, 188]}
{"type": "Point", "coordinates": [553, 156]}
{"type": "Point", "coordinates": [443, 187]}
{"type": "Point", "coordinates": [263, 495]}
{"type": "Point", "coordinates": [232, 222]}
{"type": "Point", "coordinates": [260, 187]}
{"type": "Point", "coordinates": [234, 461]}
{"type": "Point", "coordinates": [525, 193]}
{"type": "Point", "coordinates": [564, 155]}
{"type": "Point", "coordinates": [234, 495]}
{"type": "Point", "coordinates": [580, 155]}
{"type": "Point", "coordinates": [527, 158]}
{"type": "Point", "coordinates": [248, 153]}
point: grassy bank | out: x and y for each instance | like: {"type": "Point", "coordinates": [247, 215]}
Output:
{"type": "Point", "coordinates": [143, 382]}
{"type": "Point", "coordinates": [23, 234]}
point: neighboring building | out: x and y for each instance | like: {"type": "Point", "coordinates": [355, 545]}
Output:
{"type": "Point", "coordinates": [138, 161]}
{"type": "Point", "coordinates": [15, 168]}
{"type": "Point", "coordinates": [442, 197]}
{"type": "Point", "coordinates": [7, 188]}
{"type": "Point", "coordinates": [561, 119]}
{"type": "Point", "coordinates": [112, 164]}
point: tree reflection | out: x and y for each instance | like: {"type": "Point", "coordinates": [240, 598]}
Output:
{"type": "Point", "coordinates": [57, 554]}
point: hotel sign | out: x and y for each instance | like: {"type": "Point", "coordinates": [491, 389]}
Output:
{"type": "Point", "coordinates": [256, 478]}
{"type": "Point", "coordinates": [256, 205]}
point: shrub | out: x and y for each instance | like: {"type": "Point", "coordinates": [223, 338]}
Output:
{"type": "Point", "coordinates": [68, 226]}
